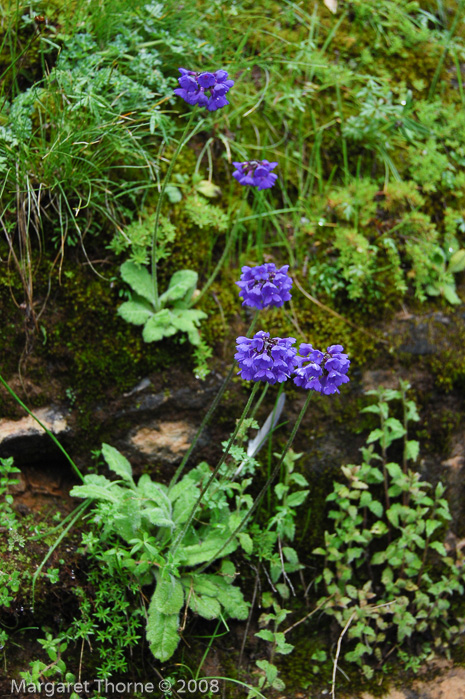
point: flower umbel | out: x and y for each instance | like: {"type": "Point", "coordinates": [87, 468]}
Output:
{"type": "Point", "coordinates": [255, 173]}
{"type": "Point", "coordinates": [262, 358]}
{"type": "Point", "coordinates": [321, 371]}
{"type": "Point", "coordinates": [205, 89]}
{"type": "Point", "coordinates": [264, 285]}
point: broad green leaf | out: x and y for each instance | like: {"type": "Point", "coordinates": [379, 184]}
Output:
{"type": "Point", "coordinates": [394, 470]}
{"type": "Point", "coordinates": [375, 435]}
{"type": "Point", "coordinates": [184, 504]}
{"type": "Point", "coordinates": [207, 550]}
{"type": "Point", "coordinates": [139, 279]}
{"type": "Point", "coordinates": [449, 293]}
{"type": "Point", "coordinates": [437, 546]}
{"type": "Point", "coordinates": [182, 285]}
{"type": "Point", "coordinates": [457, 262]}
{"type": "Point", "coordinates": [265, 635]}
{"type": "Point", "coordinates": [246, 542]}
{"type": "Point", "coordinates": [135, 311]}
{"type": "Point", "coordinates": [396, 428]}
{"type": "Point", "coordinates": [97, 488]}
{"type": "Point", "coordinates": [207, 607]}
{"type": "Point", "coordinates": [371, 409]}
{"type": "Point", "coordinates": [412, 449]}
{"type": "Point", "coordinates": [158, 517]}
{"type": "Point", "coordinates": [271, 671]}
{"type": "Point", "coordinates": [173, 193]}
{"type": "Point", "coordinates": [376, 507]}
{"type": "Point", "coordinates": [208, 189]}
{"type": "Point", "coordinates": [162, 633]}
{"type": "Point", "coordinates": [158, 326]}
{"type": "Point", "coordinates": [169, 594]}
{"type": "Point", "coordinates": [127, 516]}
{"type": "Point", "coordinates": [117, 462]}
{"type": "Point", "coordinates": [378, 558]}
{"type": "Point", "coordinates": [296, 499]}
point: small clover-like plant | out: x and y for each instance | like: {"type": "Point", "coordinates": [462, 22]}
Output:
{"type": "Point", "coordinates": [387, 574]}
{"type": "Point", "coordinates": [164, 315]}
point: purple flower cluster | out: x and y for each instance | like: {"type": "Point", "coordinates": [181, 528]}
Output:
{"type": "Point", "coordinates": [321, 371]}
{"type": "Point", "coordinates": [265, 285]}
{"type": "Point", "coordinates": [255, 173]}
{"type": "Point", "coordinates": [205, 89]}
{"type": "Point", "coordinates": [275, 360]}
{"type": "Point", "coordinates": [262, 358]}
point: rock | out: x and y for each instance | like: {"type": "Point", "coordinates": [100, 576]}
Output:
{"type": "Point", "coordinates": [26, 440]}
{"type": "Point", "coordinates": [164, 441]}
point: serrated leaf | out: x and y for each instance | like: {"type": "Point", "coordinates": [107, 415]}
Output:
{"type": "Point", "coordinates": [127, 517]}
{"type": "Point", "coordinates": [169, 594]}
{"type": "Point", "coordinates": [271, 671]}
{"type": "Point", "coordinates": [265, 635]}
{"type": "Point", "coordinates": [412, 449]}
{"type": "Point", "coordinates": [162, 633]}
{"type": "Point", "coordinates": [117, 462]}
{"type": "Point", "coordinates": [376, 507]}
{"type": "Point", "coordinates": [246, 542]}
{"type": "Point", "coordinates": [173, 193]}
{"type": "Point", "coordinates": [296, 499]}
{"type": "Point", "coordinates": [158, 517]}
{"type": "Point", "coordinates": [97, 488]}
{"type": "Point", "coordinates": [437, 546]}
{"type": "Point", "coordinates": [158, 326]}
{"type": "Point", "coordinates": [457, 262]}
{"type": "Point", "coordinates": [207, 550]}
{"type": "Point", "coordinates": [207, 607]}
{"type": "Point", "coordinates": [135, 311]}
{"type": "Point", "coordinates": [208, 189]}
{"type": "Point", "coordinates": [375, 435]}
{"type": "Point", "coordinates": [431, 526]}
{"type": "Point", "coordinates": [139, 279]}
{"type": "Point", "coordinates": [182, 285]}
{"type": "Point", "coordinates": [449, 293]}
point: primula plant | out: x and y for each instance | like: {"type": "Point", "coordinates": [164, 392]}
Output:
{"type": "Point", "coordinates": [205, 89]}
{"type": "Point", "coordinates": [169, 313]}
{"type": "Point", "coordinates": [265, 285]}
{"type": "Point", "coordinates": [153, 543]}
{"type": "Point", "coordinates": [255, 173]}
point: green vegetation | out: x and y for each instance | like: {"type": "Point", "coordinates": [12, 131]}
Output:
{"type": "Point", "coordinates": [118, 208]}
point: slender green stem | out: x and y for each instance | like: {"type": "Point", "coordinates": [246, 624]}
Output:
{"type": "Point", "coordinates": [209, 413]}
{"type": "Point", "coordinates": [445, 51]}
{"type": "Point", "coordinates": [182, 142]}
{"type": "Point", "coordinates": [227, 248]}
{"type": "Point", "coordinates": [215, 472]}
{"type": "Point", "coordinates": [263, 491]}
{"type": "Point", "coordinates": [50, 434]}
{"type": "Point", "coordinates": [78, 512]}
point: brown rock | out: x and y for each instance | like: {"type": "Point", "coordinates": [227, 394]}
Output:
{"type": "Point", "coordinates": [164, 440]}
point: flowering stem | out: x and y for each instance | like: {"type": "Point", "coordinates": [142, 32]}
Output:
{"type": "Point", "coordinates": [261, 494]}
{"type": "Point", "coordinates": [182, 142]}
{"type": "Point", "coordinates": [229, 243]}
{"type": "Point", "coordinates": [215, 472]}
{"type": "Point", "coordinates": [50, 434]}
{"type": "Point", "coordinates": [209, 413]}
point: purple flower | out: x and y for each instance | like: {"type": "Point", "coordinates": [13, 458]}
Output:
{"type": "Point", "coordinates": [263, 359]}
{"type": "Point", "coordinates": [255, 173]}
{"type": "Point", "coordinates": [264, 285]}
{"type": "Point", "coordinates": [205, 89]}
{"type": "Point", "coordinates": [321, 371]}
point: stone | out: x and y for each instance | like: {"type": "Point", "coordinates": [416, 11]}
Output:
{"type": "Point", "coordinates": [26, 440]}
{"type": "Point", "coordinates": [166, 441]}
